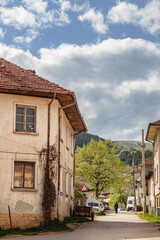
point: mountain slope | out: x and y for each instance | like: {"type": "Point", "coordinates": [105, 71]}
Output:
{"type": "Point", "coordinates": [84, 138]}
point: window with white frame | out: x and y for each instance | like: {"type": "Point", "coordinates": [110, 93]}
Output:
{"type": "Point", "coordinates": [66, 184]}
{"type": "Point", "coordinates": [72, 144]}
{"type": "Point", "coordinates": [61, 179]}
{"type": "Point", "coordinates": [67, 136]}
{"type": "Point", "coordinates": [24, 175]}
{"type": "Point", "coordinates": [25, 118]}
{"type": "Point", "coordinates": [71, 186]}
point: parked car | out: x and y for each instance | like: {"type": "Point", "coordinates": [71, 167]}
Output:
{"type": "Point", "coordinates": [96, 205]}
{"type": "Point", "coordinates": [130, 203]}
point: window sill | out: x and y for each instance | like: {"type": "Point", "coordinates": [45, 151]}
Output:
{"type": "Point", "coordinates": [27, 133]}
{"type": "Point", "coordinates": [24, 190]}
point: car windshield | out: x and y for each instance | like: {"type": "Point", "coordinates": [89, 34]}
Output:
{"type": "Point", "coordinates": [90, 204]}
{"type": "Point", "coordinates": [130, 202]}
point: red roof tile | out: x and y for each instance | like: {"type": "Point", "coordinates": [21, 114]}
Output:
{"type": "Point", "coordinates": [17, 80]}
{"type": "Point", "coordinates": [156, 122]}
{"type": "Point", "coordinates": [149, 161]}
{"type": "Point", "coordinates": [13, 76]}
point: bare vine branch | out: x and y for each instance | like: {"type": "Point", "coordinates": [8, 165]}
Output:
{"type": "Point", "coordinates": [48, 157]}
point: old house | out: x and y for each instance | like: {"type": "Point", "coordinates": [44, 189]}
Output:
{"type": "Point", "coordinates": [153, 135]}
{"type": "Point", "coordinates": [36, 117]}
{"type": "Point", "coordinates": [148, 184]}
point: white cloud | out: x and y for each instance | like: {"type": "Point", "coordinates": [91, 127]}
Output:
{"type": "Point", "coordinates": [148, 85]}
{"type": "Point", "coordinates": [148, 18]}
{"type": "Point", "coordinates": [65, 5]}
{"type": "Point", "coordinates": [110, 79]}
{"type": "Point", "coordinates": [32, 16]}
{"type": "Point", "coordinates": [123, 13]}
{"type": "Point", "coordinates": [97, 20]}
{"type": "Point", "coordinates": [2, 33]}
{"type": "Point", "coordinates": [17, 17]}
{"type": "Point", "coordinates": [4, 2]}
{"type": "Point", "coordinates": [79, 8]}
{"type": "Point", "coordinates": [30, 35]}
{"type": "Point", "coordinates": [37, 6]}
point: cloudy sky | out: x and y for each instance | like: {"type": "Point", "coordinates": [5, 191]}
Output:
{"type": "Point", "coordinates": [106, 51]}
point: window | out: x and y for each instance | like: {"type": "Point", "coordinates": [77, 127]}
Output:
{"type": "Point", "coordinates": [66, 184]}
{"type": "Point", "coordinates": [24, 174]}
{"type": "Point", "coordinates": [61, 179]}
{"type": "Point", "coordinates": [25, 118]}
{"type": "Point", "coordinates": [67, 137]}
{"type": "Point", "coordinates": [72, 186]}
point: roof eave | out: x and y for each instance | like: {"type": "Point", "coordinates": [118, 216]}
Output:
{"type": "Point", "coordinates": [151, 132]}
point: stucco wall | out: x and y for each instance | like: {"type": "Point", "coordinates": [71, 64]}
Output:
{"type": "Point", "coordinates": [156, 162]}
{"type": "Point", "coordinates": [25, 147]}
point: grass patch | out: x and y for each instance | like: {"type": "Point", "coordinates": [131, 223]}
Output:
{"type": "Point", "coordinates": [54, 226]}
{"type": "Point", "coordinates": [100, 214]}
{"type": "Point", "coordinates": [76, 219]}
{"type": "Point", "coordinates": [150, 217]}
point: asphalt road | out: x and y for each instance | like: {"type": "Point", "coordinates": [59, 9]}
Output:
{"type": "Point", "coordinates": [124, 225]}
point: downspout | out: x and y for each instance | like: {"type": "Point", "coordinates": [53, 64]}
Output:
{"type": "Point", "coordinates": [70, 105]}
{"type": "Point", "coordinates": [59, 152]}
{"type": "Point", "coordinates": [59, 146]}
{"type": "Point", "coordinates": [74, 203]}
{"type": "Point", "coordinates": [48, 135]}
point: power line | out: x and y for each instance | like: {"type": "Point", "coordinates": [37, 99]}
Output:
{"type": "Point", "coordinates": [125, 114]}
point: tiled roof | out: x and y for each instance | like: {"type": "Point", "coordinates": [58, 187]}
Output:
{"type": "Point", "coordinates": [152, 129]}
{"type": "Point", "coordinates": [17, 80]}
{"type": "Point", "coordinates": [13, 76]}
{"type": "Point", "coordinates": [149, 161]}
{"type": "Point", "coordinates": [156, 122]}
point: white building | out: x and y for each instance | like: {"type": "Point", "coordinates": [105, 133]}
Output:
{"type": "Point", "coordinates": [34, 114]}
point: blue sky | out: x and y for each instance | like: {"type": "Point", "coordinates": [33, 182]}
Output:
{"type": "Point", "coordinates": [106, 51]}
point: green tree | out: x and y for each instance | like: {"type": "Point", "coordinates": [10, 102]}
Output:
{"type": "Point", "coordinates": [98, 165]}
{"type": "Point", "coordinates": [126, 155]}
{"type": "Point", "coordinates": [119, 195]}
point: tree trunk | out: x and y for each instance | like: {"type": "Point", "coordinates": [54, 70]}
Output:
{"type": "Point", "coordinates": [97, 190]}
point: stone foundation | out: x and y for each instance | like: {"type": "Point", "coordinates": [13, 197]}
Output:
{"type": "Point", "coordinates": [20, 220]}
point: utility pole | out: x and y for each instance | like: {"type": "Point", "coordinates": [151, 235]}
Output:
{"type": "Point", "coordinates": [143, 174]}
{"type": "Point", "coordinates": [135, 205]}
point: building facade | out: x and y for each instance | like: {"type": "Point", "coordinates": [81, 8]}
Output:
{"type": "Point", "coordinates": [153, 135]}
{"type": "Point", "coordinates": [35, 115]}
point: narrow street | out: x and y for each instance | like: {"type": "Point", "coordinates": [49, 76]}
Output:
{"type": "Point", "coordinates": [124, 225]}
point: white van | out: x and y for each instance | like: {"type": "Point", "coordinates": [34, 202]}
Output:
{"type": "Point", "coordinates": [130, 203]}
{"type": "Point", "coordinates": [96, 205]}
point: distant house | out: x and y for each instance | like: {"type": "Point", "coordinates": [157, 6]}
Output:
{"type": "Point", "coordinates": [153, 135]}
{"type": "Point", "coordinates": [105, 196]}
{"type": "Point", "coordinates": [149, 185]}
{"type": "Point", "coordinates": [36, 117]}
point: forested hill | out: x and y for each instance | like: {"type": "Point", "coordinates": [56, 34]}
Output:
{"type": "Point", "coordinates": [125, 150]}
{"type": "Point", "coordinates": [84, 138]}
